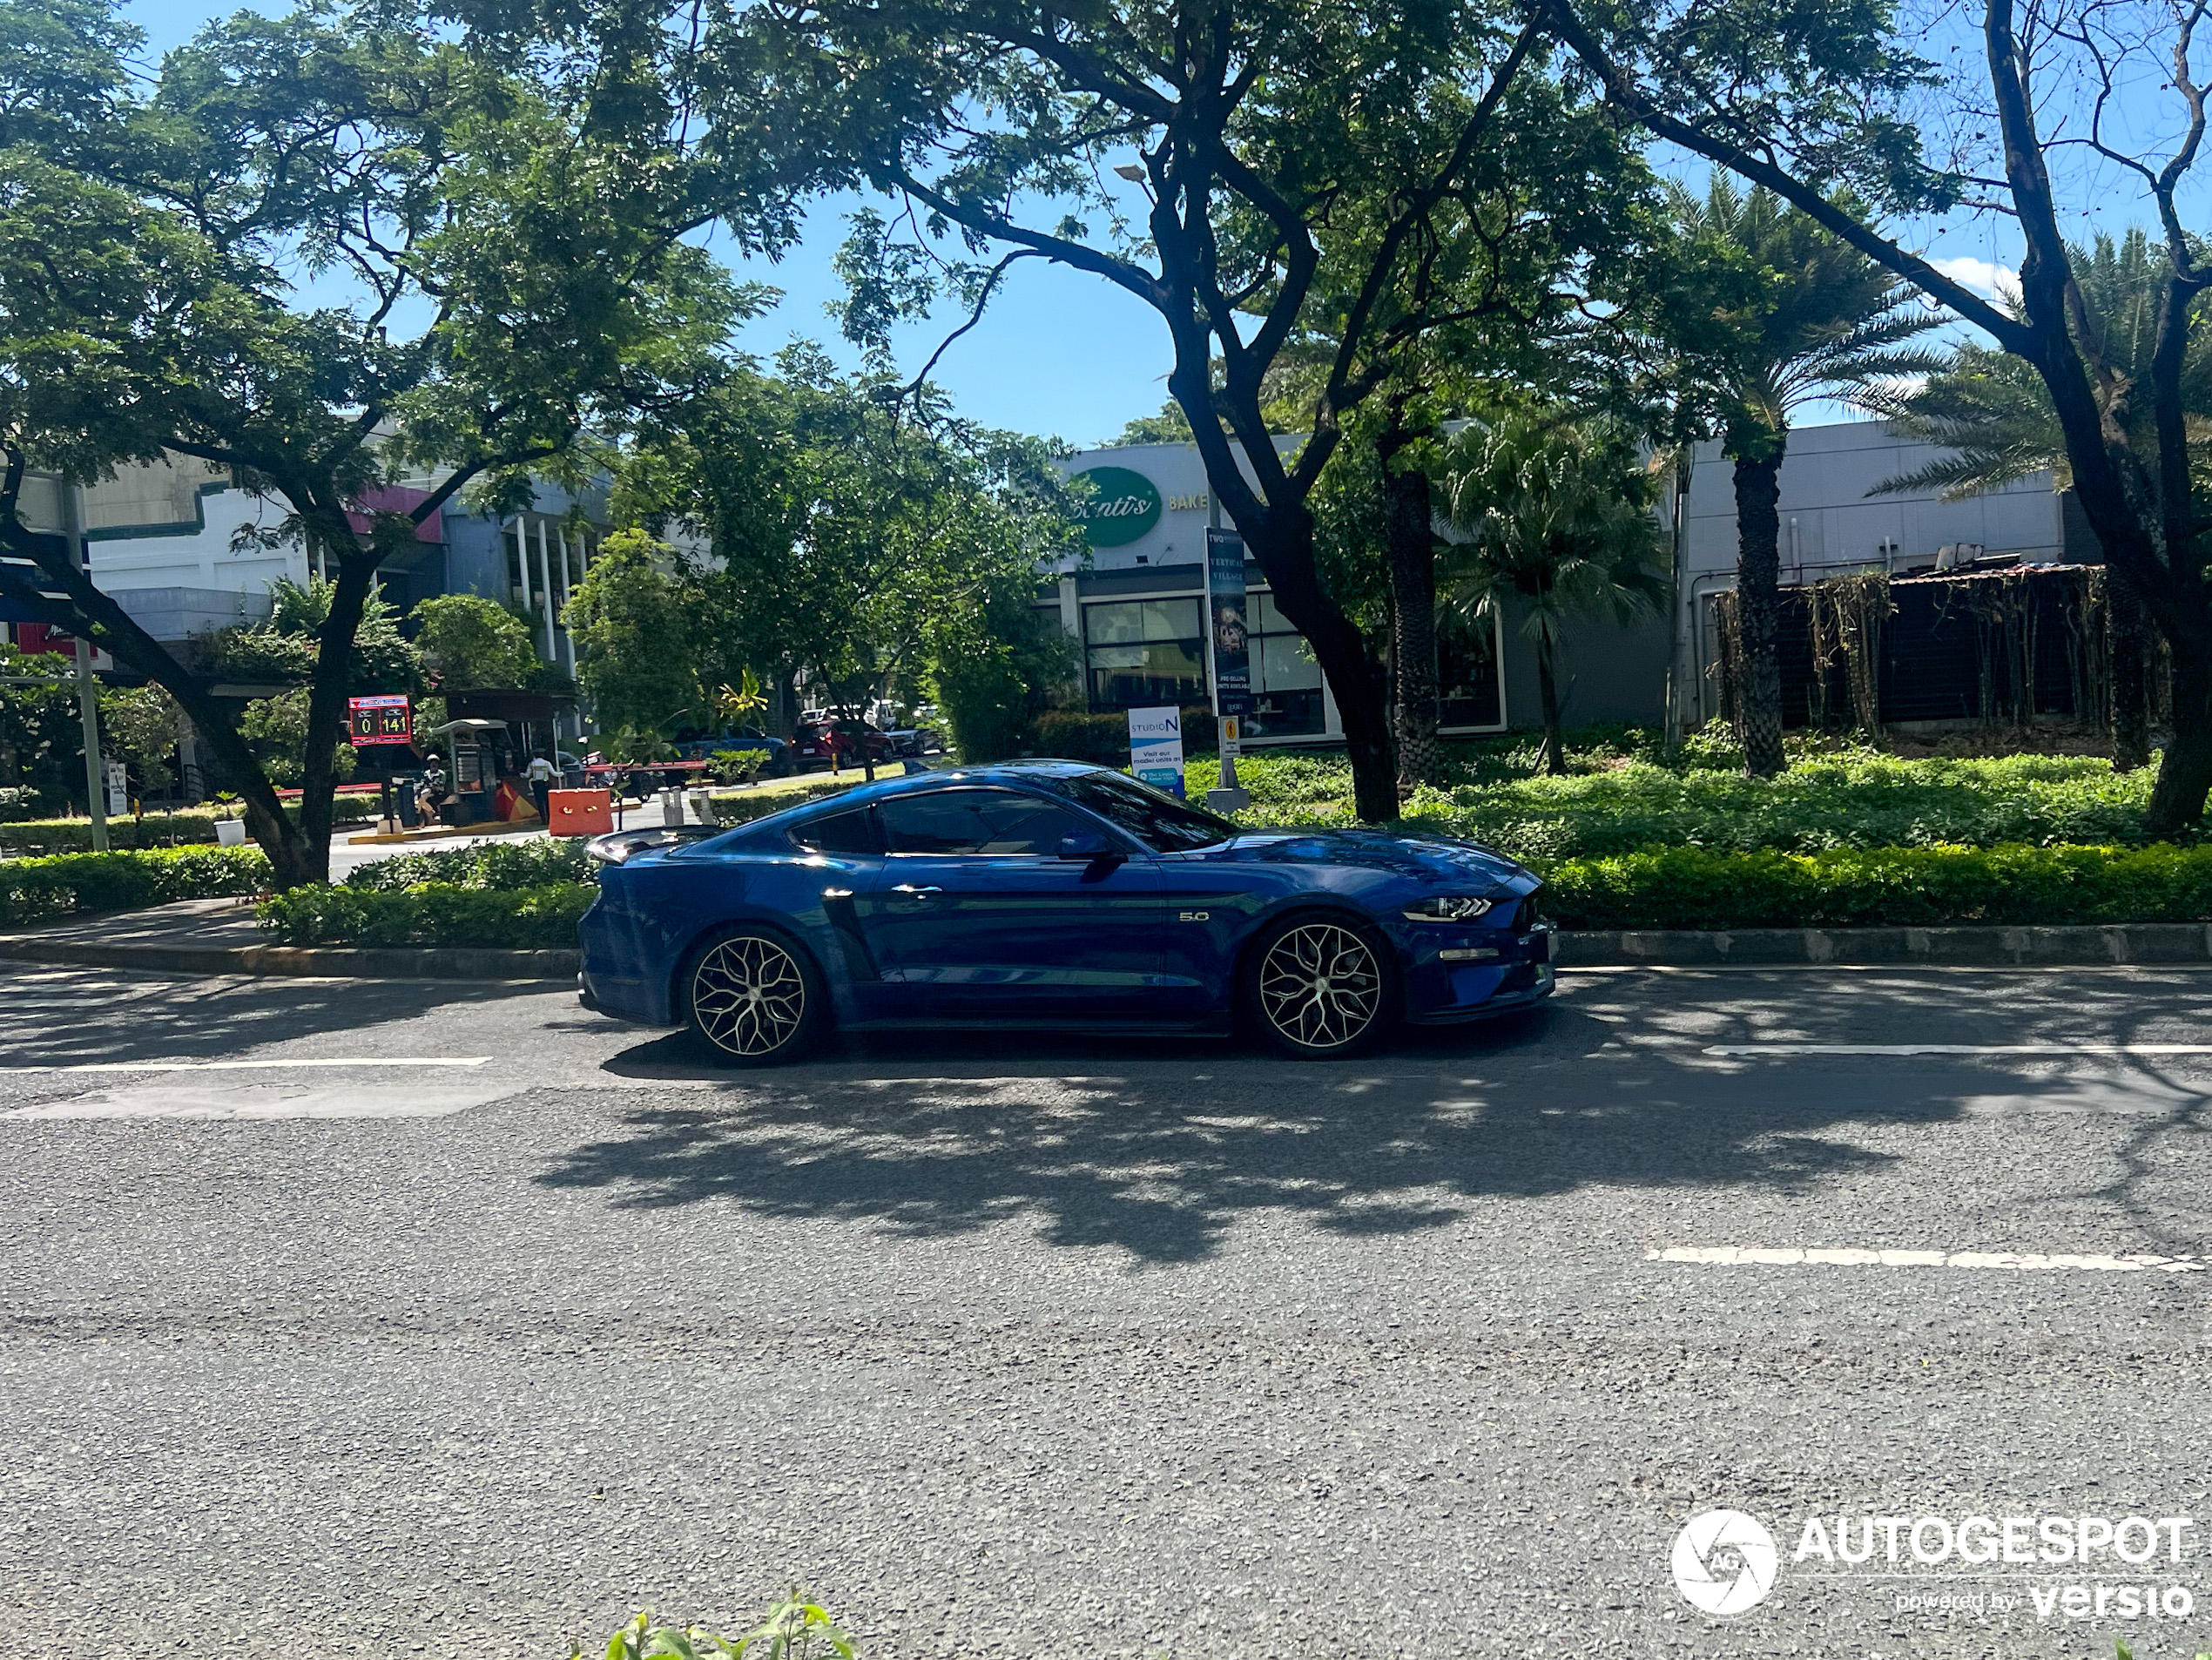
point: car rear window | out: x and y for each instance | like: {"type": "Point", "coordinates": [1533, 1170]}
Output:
{"type": "Point", "coordinates": [839, 833]}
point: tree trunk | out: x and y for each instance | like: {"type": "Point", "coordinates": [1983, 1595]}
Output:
{"type": "Point", "coordinates": [2127, 635]}
{"type": "Point", "coordinates": [1680, 641]}
{"type": "Point", "coordinates": [1758, 605]}
{"type": "Point", "coordinates": [2185, 775]}
{"type": "Point", "coordinates": [1285, 553]}
{"type": "Point", "coordinates": [1554, 759]}
{"type": "Point", "coordinates": [1409, 530]}
{"type": "Point", "coordinates": [309, 859]}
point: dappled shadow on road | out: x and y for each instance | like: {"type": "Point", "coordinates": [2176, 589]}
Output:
{"type": "Point", "coordinates": [64, 1016]}
{"type": "Point", "coordinates": [1160, 1156]}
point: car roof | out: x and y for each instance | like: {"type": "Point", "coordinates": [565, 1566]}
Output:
{"type": "Point", "coordinates": [1003, 773]}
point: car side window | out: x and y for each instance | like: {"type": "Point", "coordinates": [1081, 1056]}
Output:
{"type": "Point", "coordinates": [975, 822]}
{"type": "Point", "coordinates": [839, 833]}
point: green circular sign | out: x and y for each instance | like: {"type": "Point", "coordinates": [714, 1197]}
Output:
{"type": "Point", "coordinates": [1122, 506]}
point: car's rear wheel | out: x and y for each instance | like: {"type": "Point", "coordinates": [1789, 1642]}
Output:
{"type": "Point", "coordinates": [1321, 988]}
{"type": "Point", "coordinates": [752, 998]}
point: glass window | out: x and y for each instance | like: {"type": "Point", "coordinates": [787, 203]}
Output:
{"type": "Point", "coordinates": [846, 833]}
{"type": "Point", "coordinates": [1286, 681]}
{"type": "Point", "coordinates": [1154, 817]}
{"type": "Point", "coordinates": [975, 822]}
{"type": "Point", "coordinates": [1467, 673]}
{"type": "Point", "coordinates": [1114, 624]}
{"type": "Point", "coordinates": [1286, 665]}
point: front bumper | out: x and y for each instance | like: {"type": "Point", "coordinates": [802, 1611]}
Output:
{"type": "Point", "coordinates": [1475, 975]}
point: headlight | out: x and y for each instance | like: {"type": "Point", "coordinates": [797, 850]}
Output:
{"type": "Point", "coordinates": [1448, 908]}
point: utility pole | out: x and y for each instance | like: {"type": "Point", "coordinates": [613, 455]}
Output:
{"type": "Point", "coordinates": [88, 695]}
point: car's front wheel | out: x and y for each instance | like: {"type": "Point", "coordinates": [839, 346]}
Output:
{"type": "Point", "coordinates": [752, 998]}
{"type": "Point", "coordinates": [1321, 988]}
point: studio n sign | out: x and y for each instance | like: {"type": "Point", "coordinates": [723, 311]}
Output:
{"type": "Point", "coordinates": [1122, 506]}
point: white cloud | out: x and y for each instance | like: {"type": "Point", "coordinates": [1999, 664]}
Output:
{"type": "Point", "coordinates": [1987, 278]}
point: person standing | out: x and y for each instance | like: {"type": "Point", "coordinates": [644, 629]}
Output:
{"type": "Point", "coordinates": [540, 773]}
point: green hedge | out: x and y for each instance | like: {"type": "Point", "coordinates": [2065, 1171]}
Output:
{"type": "Point", "coordinates": [743, 807]}
{"type": "Point", "coordinates": [1698, 887]}
{"type": "Point", "coordinates": [539, 862]}
{"type": "Point", "coordinates": [191, 826]}
{"type": "Point", "coordinates": [34, 890]}
{"type": "Point", "coordinates": [430, 914]}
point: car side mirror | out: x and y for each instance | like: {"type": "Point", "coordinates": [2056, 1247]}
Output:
{"type": "Point", "coordinates": [1087, 845]}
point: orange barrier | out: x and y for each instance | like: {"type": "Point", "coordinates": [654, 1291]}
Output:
{"type": "Point", "coordinates": [579, 812]}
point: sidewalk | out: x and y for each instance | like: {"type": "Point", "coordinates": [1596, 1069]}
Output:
{"type": "Point", "coordinates": [218, 936]}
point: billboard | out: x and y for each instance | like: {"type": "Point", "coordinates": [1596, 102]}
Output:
{"type": "Point", "coordinates": [1225, 622]}
{"type": "Point", "coordinates": [1155, 747]}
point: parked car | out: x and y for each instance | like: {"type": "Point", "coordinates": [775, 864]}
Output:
{"type": "Point", "coordinates": [740, 738]}
{"type": "Point", "coordinates": [813, 743]}
{"type": "Point", "coordinates": [1052, 893]}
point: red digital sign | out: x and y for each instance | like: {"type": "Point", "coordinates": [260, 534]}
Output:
{"type": "Point", "coordinates": [386, 719]}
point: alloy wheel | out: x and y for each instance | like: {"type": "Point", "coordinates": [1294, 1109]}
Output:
{"type": "Point", "coordinates": [749, 996]}
{"type": "Point", "coordinates": [1320, 986]}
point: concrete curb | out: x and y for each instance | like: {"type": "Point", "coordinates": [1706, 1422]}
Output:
{"type": "Point", "coordinates": [337, 962]}
{"type": "Point", "coordinates": [2129, 942]}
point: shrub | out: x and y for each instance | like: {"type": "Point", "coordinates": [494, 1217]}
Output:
{"type": "Point", "coordinates": [32, 889]}
{"type": "Point", "coordinates": [1698, 888]}
{"type": "Point", "coordinates": [797, 1628]}
{"type": "Point", "coordinates": [498, 865]}
{"type": "Point", "coordinates": [430, 914]}
{"type": "Point", "coordinates": [1077, 735]}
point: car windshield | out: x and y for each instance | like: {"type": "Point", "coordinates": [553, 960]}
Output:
{"type": "Point", "coordinates": [1154, 817]}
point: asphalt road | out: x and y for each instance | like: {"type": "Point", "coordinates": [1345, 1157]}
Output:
{"type": "Point", "coordinates": [1092, 1348]}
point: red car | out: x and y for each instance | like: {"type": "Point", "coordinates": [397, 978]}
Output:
{"type": "Point", "coordinates": [813, 742]}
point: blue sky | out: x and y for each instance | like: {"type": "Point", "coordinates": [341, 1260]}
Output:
{"type": "Point", "coordinates": [1067, 355]}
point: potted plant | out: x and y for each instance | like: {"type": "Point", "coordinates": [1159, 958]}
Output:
{"type": "Point", "coordinates": [230, 824]}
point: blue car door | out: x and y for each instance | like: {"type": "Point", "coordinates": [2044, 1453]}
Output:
{"type": "Point", "coordinates": [974, 914]}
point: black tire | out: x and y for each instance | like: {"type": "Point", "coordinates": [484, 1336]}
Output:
{"type": "Point", "coordinates": [752, 996]}
{"type": "Point", "coordinates": [1321, 986]}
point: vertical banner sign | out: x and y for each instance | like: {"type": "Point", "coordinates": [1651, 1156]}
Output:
{"type": "Point", "coordinates": [1155, 747]}
{"type": "Point", "coordinates": [382, 719]}
{"type": "Point", "coordinates": [1233, 671]}
{"type": "Point", "coordinates": [119, 790]}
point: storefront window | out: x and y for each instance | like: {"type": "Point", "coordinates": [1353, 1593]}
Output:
{"type": "Point", "coordinates": [1142, 653]}
{"type": "Point", "coordinates": [1466, 665]}
{"type": "Point", "coordinates": [1286, 681]}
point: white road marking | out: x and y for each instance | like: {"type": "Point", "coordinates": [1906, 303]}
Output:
{"type": "Point", "coordinates": [265, 1100]}
{"type": "Point", "coordinates": [245, 1066]}
{"type": "Point", "coordinates": [1790, 1256]}
{"type": "Point", "coordinates": [1750, 1050]}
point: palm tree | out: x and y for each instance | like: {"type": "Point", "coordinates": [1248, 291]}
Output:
{"type": "Point", "coordinates": [1992, 412]}
{"type": "Point", "coordinates": [1800, 316]}
{"type": "Point", "coordinates": [1556, 516]}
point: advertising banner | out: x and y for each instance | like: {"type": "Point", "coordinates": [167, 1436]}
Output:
{"type": "Point", "coordinates": [1225, 604]}
{"type": "Point", "coordinates": [384, 718]}
{"type": "Point", "coordinates": [1155, 747]}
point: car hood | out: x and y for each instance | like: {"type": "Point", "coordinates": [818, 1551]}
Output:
{"type": "Point", "coordinates": [1438, 861]}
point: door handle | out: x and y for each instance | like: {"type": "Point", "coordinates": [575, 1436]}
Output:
{"type": "Point", "coordinates": [912, 892]}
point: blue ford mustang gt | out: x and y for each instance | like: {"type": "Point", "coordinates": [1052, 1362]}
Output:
{"type": "Point", "coordinates": [1051, 894]}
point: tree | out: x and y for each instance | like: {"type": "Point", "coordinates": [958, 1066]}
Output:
{"type": "Point", "coordinates": [280, 729]}
{"type": "Point", "coordinates": [1248, 126]}
{"type": "Point", "coordinates": [526, 207]}
{"type": "Point", "coordinates": [631, 628]}
{"type": "Point", "coordinates": [1815, 319]}
{"type": "Point", "coordinates": [1801, 101]}
{"type": "Point", "coordinates": [468, 643]}
{"type": "Point", "coordinates": [994, 666]}
{"type": "Point", "coordinates": [858, 528]}
{"type": "Point", "coordinates": [1993, 413]}
{"type": "Point", "coordinates": [1557, 517]}
{"type": "Point", "coordinates": [142, 726]}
